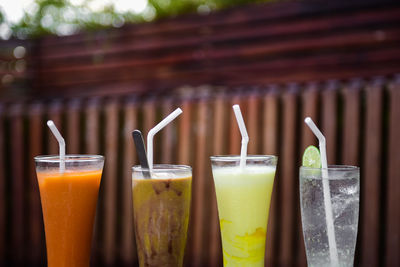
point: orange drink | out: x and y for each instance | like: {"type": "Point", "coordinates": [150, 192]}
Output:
{"type": "Point", "coordinates": [69, 205]}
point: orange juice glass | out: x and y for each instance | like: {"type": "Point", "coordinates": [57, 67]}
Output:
{"type": "Point", "coordinates": [69, 202]}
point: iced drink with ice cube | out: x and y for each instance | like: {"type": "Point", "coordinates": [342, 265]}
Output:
{"type": "Point", "coordinates": [243, 198]}
{"type": "Point", "coordinates": [161, 207]}
{"type": "Point", "coordinates": [344, 185]}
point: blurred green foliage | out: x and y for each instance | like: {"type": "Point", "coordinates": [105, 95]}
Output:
{"type": "Point", "coordinates": [62, 17]}
{"type": "Point", "coordinates": [1, 16]}
{"type": "Point", "coordinates": [166, 8]}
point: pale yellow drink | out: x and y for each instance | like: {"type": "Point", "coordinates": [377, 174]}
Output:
{"type": "Point", "coordinates": [243, 198]}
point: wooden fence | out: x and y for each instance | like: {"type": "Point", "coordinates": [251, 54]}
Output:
{"type": "Point", "coordinates": [255, 44]}
{"type": "Point", "coordinates": [360, 119]}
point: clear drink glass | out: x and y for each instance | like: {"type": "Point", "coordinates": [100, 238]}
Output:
{"type": "Point", "coordinates": [69, 202]}
{"type": "Point", "coordinates": [161, 208]}
{"type": "Point", "coordinates": [344, 185]}
{"type": "Point", "coordinates": [243, 198]}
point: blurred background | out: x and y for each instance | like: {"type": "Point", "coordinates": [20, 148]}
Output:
{"type": "Point", "coordinates": [101, 68]}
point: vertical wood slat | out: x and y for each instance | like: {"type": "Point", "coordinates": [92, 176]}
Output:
{"type": "Point", "coordinates": [329, 119]}
{"type": "Point", "coordinates": [199, 182]}
{"type": "Point", "coordinates": [2, 187]}
{"type": "Point", "coordinates": [36, 236]}
{"type": "Point", "coordinates": [270, 147]}
{"type": "Point", "coordinates": [392, 247]}
{"type": "Point", "coordinates": [184, 157]}
{"type": "Point", "coordinates": [310, 109]}
{"type": "Point", "coordinates": [110, 182]}
{"type": "Point", "coordinates": [17, 180]}
{"type": "Point", "coordinates": [73, 126]}
{"type": "Point", "coordinates": [128, 250]}
{"type": "Point", "coordinates": [351, 127]}
{"type": "Point", "coordinates": [287, 183]}
{"type": "Point", "coordinates": [252, 121]}
{"type": "Point", "coordinates": [149, 117]}
{"type": "Point", "coordinates": [54, 114]}
{"type": "Point", "coordinates": [270, 129]}
{"type": "Point", "coordinates": [371, 186]}
{"type": "Point", "coordinates": [92, 114]}
{"type": "Point", "coordinates": [91, 146]}
{"type": "Point", "coordinates": [168, 139]}
{"type": "Point", "coordinates": [184, 133]}
{"type": "Point", "coordinates": [218, 145]}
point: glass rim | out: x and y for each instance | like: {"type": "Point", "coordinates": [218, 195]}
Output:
{"type": "Point", "coordinates": [69, 158]}
{"type": "Point", "coordinates": [164, 168]}
{"type": "Point", "coordinates": [333, 168]}
{"type": "Point", "coordinates": [230, 158]}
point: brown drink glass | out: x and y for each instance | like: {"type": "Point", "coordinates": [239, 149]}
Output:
{"type": "Point", "coordinates": [161, 208]}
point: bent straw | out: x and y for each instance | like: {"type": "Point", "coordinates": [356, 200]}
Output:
{"type": "Point", "coordinates": [61, 144]}
{"type": "Point", "coordinates": [155, 130]}
{"type": "Point", "coordinates": [327, 196]}
{"type": "Point", "coordinates": [243, 132]}
{"type": "Point", "coordinates": [141, 152]}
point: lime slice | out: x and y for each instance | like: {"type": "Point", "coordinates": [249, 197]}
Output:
{"type": "Point", "coordinates": [311, 157]}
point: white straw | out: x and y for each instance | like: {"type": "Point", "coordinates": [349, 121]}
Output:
{"type": "Point", "coordinates": [155, 130]}
{"type": "Point", "coordinates": [61, 144]}
{"type": "Point", "coordinates": [327, 195]}
{"type": "Point", "coordinates": [243, 132]}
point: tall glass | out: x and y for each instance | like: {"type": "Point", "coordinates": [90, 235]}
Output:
{"type": "Point", "coordinates": [344, 185]}
{"type": "Point", "coordinates": [69, 205]}
{"type": "Point", "coordinates": [243, 198]}
{"type": "Point", "coordinates": [161, 207]}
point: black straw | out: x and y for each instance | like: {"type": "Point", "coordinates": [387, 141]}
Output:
{"type": "Point", "coordinates": [141, 152]}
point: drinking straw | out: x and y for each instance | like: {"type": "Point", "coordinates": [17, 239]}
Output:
{"type": "Point", "coordinates": [141, 151]}
{"type": "Point", "coordinates": [61, 144]}
{"type": "Point", "coordinates": [327, 196]}
{"type": "Point", "coordinates": [155, 130]}
{"type": "Point", "coordinates": [243, 132]}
